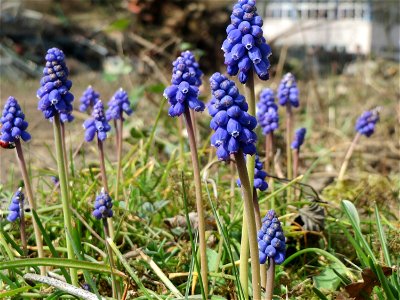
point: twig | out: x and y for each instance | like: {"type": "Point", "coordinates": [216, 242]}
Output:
{"type": "Point", "coordinates": [68, 288]}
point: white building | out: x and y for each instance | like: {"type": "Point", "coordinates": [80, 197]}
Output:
{"type": "Point", "coordinates": [354, 26]}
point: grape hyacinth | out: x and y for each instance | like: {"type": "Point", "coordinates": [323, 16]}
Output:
{"type": "Point", "coordinates": [97, 123]}
{"type": "Point", "coordinates": [183, 91]}
{"type": "Point", "coordinates": [54, 92]}
{"type": "Point", "coordinates": [15, 206]}
{"type": "Point", "coordinates": [103, 206]}
{"type": "Point", "coordinates": [365, 124]}
{"type": "Point", "coordinates": [245, 48]}
{"type": "Point", "coordinates": [271, 240]}
{"type": "Point", "coordinates": [13, 123]}
{"type": "Point", "coordinates": [298, 138]}
{"type": "Point", "coordinates": [118, 104]}
{"type": "Point", "coordinates": [232, 124]}
{"type": "Point", "coordinates": [259, 176]}
{"type": "Point", "coordinates": [89, 99]}
{"type": "Point", "coordinates": [288, 92]}
{"type": "Point", "coordinates": [267, 113]}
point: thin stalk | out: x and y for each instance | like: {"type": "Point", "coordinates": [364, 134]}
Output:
{"type": "Point", "coordinates": [232, 188]}
{"type": "Point", "coordinates": [289, 126]}
{"type": "Point", "coordinates": [114, 285]}
{"type": "Point", "coordinates": [244, 247]}
{"type": "Point", "coordinates": [119, 158]}
{"type": "Point", "coordinates": [117, 133]}
{"type": "Point", "coordinates": [199, 201]}
{"type": "Point", "coordinates": [348, 156]}
{"type": "Point", "coordinates": [269, 149]}
{"type": "Point", "coordinates": [269, 291]}
{"type": "Point", "coordinates": [105, 182]}
{"type": "Point", "coordinates": [244, 259]}
{"type": "Point", "coordinates": [181, 143]}
{"type": "Point", "coordinates": [296, 154]}
{"type": "Point", "coordinates": [31, 200]}
{"type": "Point", "coordinates": [22, 228]}
{"type": "Point", "coordinates": [64, 193]}
{"type": "Point", "coordinates": [252, 231]}
{"type": "Point", "coordinates": [263, 268]}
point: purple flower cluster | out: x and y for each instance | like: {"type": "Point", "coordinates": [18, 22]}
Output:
{"type": "Point", "coordinates": [89, 99]}
{"type": "Point", "coordinates": [103, 206]}
{"type": "Point", "coordinates": [259, 176]}
{"type": "Point", "coordinates": [245, 47]}
{"type": "Point", "coordinates": [118, 104]}
{"type": "Point", "coordinates": [54, 92]}
{"type": "Point", "coordinates": [288, 91]}
{"type": "Point", "coordinates": [98, 123]}
{"type": "Point", "coordinates": [298, 139]}
{"type": "Point", "coordinates": [15, 206]}
{"type": "Point", "coordinates": [267, 113]}
{"type": "Point", "coordinates": [232, 124]}
{"type": "Point", "coordinates": [271, 240]}
{"type": "Point", "coordinates": [183, 91]}
{"type": "Point", "coordinates": [13, 122]}
{"type": "Point", "coordinates": [366, 122]}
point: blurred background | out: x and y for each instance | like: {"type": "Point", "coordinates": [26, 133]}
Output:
{"type": "Point", "coordinates": [345, 55]}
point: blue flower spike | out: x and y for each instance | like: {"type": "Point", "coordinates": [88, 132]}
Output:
{"type": "Point", "coordinates": [267, 112]}
{"type": "Point", "coordinates": [183, 92]}
{"type": "Point", "coordinates": [118, 105]}
{"type": "Point", "coordinates": [103, 206]}
{"type": "Point", "coordinates": [365, 124]}
{"type": "Point", "coordinates": [54, 88]}
{"type": "Point", "coordinates": [96, 124]}
{"type": "Point", "coordinates": [15, 206]}
{"type": "Point", "coordinates": [259, 176]}
{"type": "Point", "coordinates": [89, 99]}
{"type": "Point", "coordinates": [271, 239]}
{"type": "Point", "coordinates": [232, 124]}
{"type": "Point", "coordinates": [13, 124]}
{"type": "Point", "coordinates": [245, 48]}
{"type": "Point", "coordinates": [288, 92]}
{"type": "Point", "coordinates": [298, 138]}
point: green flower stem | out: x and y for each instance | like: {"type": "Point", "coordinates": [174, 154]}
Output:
{"type": "Point", "coordinates": [64, 192]}
{"type": "Point", "coordinates": [244, 247]}
{"type": "Point", "coordinates": [199, 201]}
{"type": "Point", "coordinates": [105, 182]}
{"type": "Point", "coordinates": [263, 268]}
{"type": "Point", "coordinates": [269, 150]}
{"type": "Point", "coordinates": [348, 156]}
{"type": "Point", "coordinates": [31, 200]}
{"type": "Point", "coordinates": [232, 188]}
{"type": "Point", "coordinates": [119, 158]}
{"type": "Point", "coordinates": [289, 126]}
{"type": "Point", "coordinates": [22, 228]}
{"type": "Point", "coordinates": [114, 285]}
{"type": "Point", "coordinates": [252, 231]}
{"type": "Point", "coordinates": [296, 154]}
{"type": "Point", "coordinates": [269, 290]}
